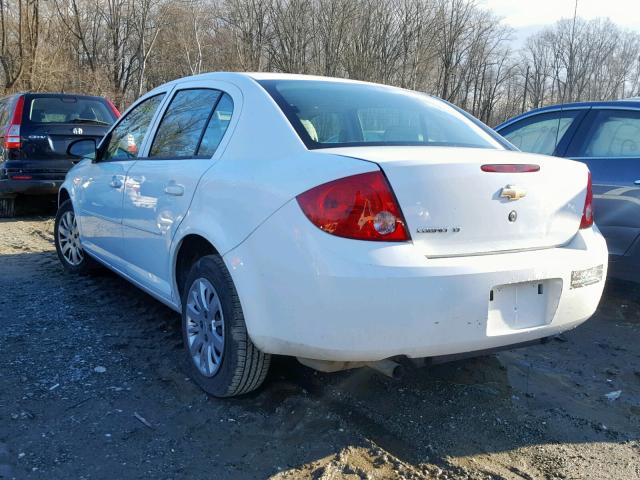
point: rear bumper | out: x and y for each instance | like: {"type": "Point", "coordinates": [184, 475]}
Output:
{"type": "Point", "coordinates": [29, 187]}
{"type": "Point", "coordinates": [308, 294]}
{"type": "Point", "coordinates": [44, 176]}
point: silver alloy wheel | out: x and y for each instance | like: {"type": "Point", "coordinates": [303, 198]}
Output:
{"type": "Point", "coordinates": [205, 327]}
{"type": "Point", "coordinates": [69, 239]}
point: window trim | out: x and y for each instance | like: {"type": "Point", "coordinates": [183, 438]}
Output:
{"type": "Point", "coordinates": [164, 111]}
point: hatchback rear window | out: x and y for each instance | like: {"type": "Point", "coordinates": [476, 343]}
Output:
{"type": "Point", "coordinates": [335, 114]}
{"type": "Point", "coordinates": [70, 110]}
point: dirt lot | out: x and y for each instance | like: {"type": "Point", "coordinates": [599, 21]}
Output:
{"type": "Point", "coordinates": [93, 385]}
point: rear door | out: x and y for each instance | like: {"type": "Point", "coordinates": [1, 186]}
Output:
{"type": "Point", "coordinates": [160, 186]}
{"type": "Point", "coordinates": [609, 143]}
{"type": "Point", "coordinates": [101, 184]}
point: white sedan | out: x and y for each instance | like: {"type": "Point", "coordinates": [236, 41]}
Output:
{"type": "Point", "coordinates": [341, 222]}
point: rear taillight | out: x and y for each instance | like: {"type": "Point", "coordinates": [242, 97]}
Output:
{"type": "Point", "coordinates": [113, 108]}
{"type": "Point", "coordinates": [587, 212]}
{"type": "Point", "coordinates": [361, 207]}
{"type": "Point", "coordinates": [12, 135]}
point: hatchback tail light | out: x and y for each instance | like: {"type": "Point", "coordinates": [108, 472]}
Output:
{"type": "Point", "coordinates": [12, 135]}
{"type": "Point", "coordinates": [361, 207]}
{"type": "Point", "coordinates": [113, 108]}
{"type": "Point", "coordinates": [587, 211]}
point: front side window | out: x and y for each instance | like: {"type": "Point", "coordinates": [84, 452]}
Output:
{"type": "Point", "coordinates": [331, 114]}
{"type": "Point", "coordinates": [613, 133]}
{"type": "Point", "coordinates": [126, 138]}
{"type": "Point", "coordinates": [540, 133]}
{"type": "Point", "coordinates": [182, 126]}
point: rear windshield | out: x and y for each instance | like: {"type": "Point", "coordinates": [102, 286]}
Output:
{"type": "Point", "coordinates": [70, 110]}
{"type": "Point", "coordinates": [335, 114]}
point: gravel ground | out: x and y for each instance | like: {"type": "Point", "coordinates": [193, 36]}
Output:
{"type": "Point", "coordinates": [93, 385]}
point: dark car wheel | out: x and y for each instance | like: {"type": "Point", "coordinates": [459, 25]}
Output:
{"type": "Point", "coordinates": [221, 357]}
{"type": "Point", "coordinates": [67, 240]}
{"type": "Point", "coordinates": [7, 207]}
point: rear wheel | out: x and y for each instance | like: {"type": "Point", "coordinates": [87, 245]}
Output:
{"type": "Point", "coordinates": [222, 359]}
{"type": "Point", "coordinates": [67, 240]}
{"type": "Point", "coordinates": [7, 207]}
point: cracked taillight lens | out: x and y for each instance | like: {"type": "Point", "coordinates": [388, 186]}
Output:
{"type": "Point", "coordinates": [361, 207]}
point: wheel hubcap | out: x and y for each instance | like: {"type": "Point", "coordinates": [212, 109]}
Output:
{"type": "Point", "coordinates": [205, 327]}
{"type": "Point", "coordinates": [69, 239]}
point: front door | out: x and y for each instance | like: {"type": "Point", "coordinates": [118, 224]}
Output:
{"type": "Point", "coordinates": [160, 186]}
{"type": "Point", "coordinates": [100, 184]}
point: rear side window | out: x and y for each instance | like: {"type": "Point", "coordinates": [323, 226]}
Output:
{"type": "Point", "coordinates": [126, 138]}
{"type": "Point", "coordinates": [182, 126]}
{"type": "Point", "coordinates": [613, 133]}
{"type": "Point", "coordinates": [540, 133]}
{"type": "Point", "coordinates": [216, 127]}
{"type": "Point", "coordinates": [69, 110]}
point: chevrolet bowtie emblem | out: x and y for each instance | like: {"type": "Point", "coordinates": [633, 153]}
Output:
{"type": "Point", "coordinates": [512, 192]}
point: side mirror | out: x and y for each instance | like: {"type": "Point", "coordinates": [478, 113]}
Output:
{"type": "Point", "coordinates": [83, 148]}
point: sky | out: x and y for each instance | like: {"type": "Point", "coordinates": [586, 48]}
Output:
{"type": "Point", "coordinates": [529, 16]}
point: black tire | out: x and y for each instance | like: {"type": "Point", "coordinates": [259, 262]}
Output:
{"type": "Point", "coordinates": [7, 207]}
{"type": "Point", "coordinates": [242, 367]}
{"type": "Point", "coordinates": [87, 264]}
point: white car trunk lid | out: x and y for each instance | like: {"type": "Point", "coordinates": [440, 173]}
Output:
{"type": "Point", "coordinates": [452, 207]}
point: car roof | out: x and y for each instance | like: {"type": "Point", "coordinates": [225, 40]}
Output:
{"type": "Point", "coordinates": [58, 95]}
{"type": "Point", "coordinates": [625, 104]}
{"type": "Point", "coordinates": [48, 95]}
{"type": "Point", "coordinates": [263, 76]}
{"type": "Point", "coordinates": [241, 78]}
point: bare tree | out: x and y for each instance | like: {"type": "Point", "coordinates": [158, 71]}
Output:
{"type": "Point", "coordinates": [453, 48]}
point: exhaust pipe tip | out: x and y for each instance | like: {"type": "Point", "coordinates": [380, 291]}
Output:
{"type": "Point", "coordinates": [398, 372]}
{"type": "Point", "coordinates": [387, 367]}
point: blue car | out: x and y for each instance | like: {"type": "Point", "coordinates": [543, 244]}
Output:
{"type": "Point", "coordinates": [606, 137]}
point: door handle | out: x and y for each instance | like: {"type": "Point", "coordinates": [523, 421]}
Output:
{"type": "Point", "coordinates": [115, 182]}
{"type": "Point", "coordinates": [174, 189]}
{"type": "Point", "coordinates": [637, 182]}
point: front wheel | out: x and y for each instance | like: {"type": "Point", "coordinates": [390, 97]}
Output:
{"type": "Point", "coordinates": [67, 240]}
{"type": "Point", "coordinates": [221, 357]}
